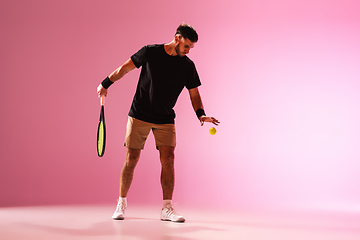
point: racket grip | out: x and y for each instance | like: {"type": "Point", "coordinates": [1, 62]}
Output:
{"type": "Point", "coordinates": [102, 100]}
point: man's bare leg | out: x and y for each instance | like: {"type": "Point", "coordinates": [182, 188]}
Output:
{"type": "Point", "coordinates": [126, 176]}
{"type": "Point", "coordinates": [127, 172]}
{"type": "Point", "coordinates": [167, 183]}
{"type": "Point", "coordinates": [167, 171]}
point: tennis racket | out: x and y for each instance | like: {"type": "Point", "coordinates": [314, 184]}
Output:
{"type": "Point", "coordinates": [101, 132]}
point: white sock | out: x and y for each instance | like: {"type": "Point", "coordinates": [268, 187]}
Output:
{"type": "Point", "coordinates": [123, 199]}
{"type": "Point", "coordinates": [166, 202]}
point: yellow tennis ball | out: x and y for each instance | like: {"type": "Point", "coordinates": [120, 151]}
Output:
{"type": "Point", "coordinates": [212, 131]}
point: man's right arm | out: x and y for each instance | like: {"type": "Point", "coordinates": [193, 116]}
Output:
{"type": "Point", "coordinates": [122, 70]}
{"type": "Point", "coordinates": [116, 75]}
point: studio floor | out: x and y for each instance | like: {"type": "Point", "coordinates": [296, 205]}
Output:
{"type": "Point", "coordinates": [142, 222]}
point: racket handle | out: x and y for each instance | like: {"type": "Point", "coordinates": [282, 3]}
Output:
{"type": "Point", "coordinates": [102, 100]}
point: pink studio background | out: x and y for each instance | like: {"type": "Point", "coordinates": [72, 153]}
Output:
{"type": "Point", "coordinates": [283, 77]}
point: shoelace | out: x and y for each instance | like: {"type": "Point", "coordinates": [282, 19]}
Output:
{"type": "Point", "coordinates": [121, 206]}
{"type": "Point", "coordinates": [169, 211]}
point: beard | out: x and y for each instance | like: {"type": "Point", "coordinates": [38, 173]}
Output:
{"type": "Point", "coordinates": [177, 50]}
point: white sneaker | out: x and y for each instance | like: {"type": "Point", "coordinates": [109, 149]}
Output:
{"type": "Point", "coordinates": [168, 214]}
{"type": "Point", "coordinates": [120, 210]}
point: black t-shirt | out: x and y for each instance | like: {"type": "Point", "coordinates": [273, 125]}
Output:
{"type": "Point", "coordinates": [161, 81]}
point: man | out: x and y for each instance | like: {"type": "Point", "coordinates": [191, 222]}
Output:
{"type": "Point", "coordinates": [166, 70]}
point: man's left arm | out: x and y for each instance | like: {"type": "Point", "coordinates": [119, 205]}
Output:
{"type": "Point", "coordinates": [198, 107]}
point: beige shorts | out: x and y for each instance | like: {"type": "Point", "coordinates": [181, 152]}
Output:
{"type": "Point", "coordinates": [137, 132]}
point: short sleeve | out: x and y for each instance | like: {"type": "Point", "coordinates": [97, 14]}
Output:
{"type": "Point", "coordinates": [140, 57]}
{"type": "Point", "coordinates": [193, 78]}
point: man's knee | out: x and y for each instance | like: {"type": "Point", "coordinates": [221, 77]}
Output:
{"type": "Point", "coordinates": [167, 151]}
{"type": "Point", "coordinates": [167, 154]}
{"type": "Point", "coordinates": [132, 157]}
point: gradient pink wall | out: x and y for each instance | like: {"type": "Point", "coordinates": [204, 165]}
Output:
{"type": "Point", "coordinates": [283, 77]}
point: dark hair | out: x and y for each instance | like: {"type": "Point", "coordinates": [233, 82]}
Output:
{"type": "Point", "coordinates": [187, 31]}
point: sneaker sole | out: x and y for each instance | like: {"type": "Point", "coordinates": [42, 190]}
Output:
{"type": "Point", "coordinates": [119, 218]}
{"type": "Point", "coordinates": [168, 220]}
